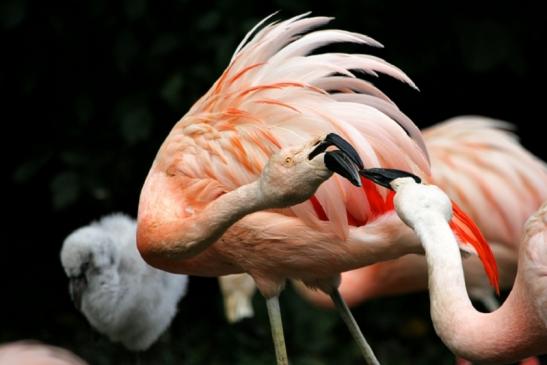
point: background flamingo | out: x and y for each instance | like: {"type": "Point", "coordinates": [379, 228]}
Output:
{"type": "Point", "coordinates": [519, 327]}
{"type": "Point", "coordinates": [468, 155]}
{"type": "Point", "coordinates": [274, 95]}
{"type": "Point", "coordinates": [237, 291]}
{"type": "Point", "coordinates": [35, 353]}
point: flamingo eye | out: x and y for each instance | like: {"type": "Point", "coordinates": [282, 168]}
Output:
{"type": "Point", "coordinates": [288, 160]}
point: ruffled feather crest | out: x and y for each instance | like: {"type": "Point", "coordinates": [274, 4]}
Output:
{"type": "Point", "coordinates": [275, 93]}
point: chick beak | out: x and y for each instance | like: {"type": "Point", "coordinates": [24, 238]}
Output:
{"type": "Point", "coordinates": [76, 288]}
{"type": "Point", "coordinates": [384, 177]}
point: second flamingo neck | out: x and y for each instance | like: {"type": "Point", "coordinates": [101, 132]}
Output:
{"type": "Point", "coordinates": [466, 331]}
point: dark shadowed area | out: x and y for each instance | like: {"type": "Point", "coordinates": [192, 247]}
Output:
{"type": "Point", "coordinates": [92, 89]}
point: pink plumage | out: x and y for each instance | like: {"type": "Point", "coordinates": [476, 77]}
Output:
{"type": "Point", "coordinates": [469, 155]}
{"type": "Point", "coordinates": [273, 95]}
{"type": "Point", "coordinates": [200, 210]}
{"type": "Point", "coordinates": [35, 353]}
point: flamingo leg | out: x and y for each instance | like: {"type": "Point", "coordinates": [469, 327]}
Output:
{"type": "Point", "coordinates": [274, 313]}
{"type": "Point", "coordinates": [353, 327]}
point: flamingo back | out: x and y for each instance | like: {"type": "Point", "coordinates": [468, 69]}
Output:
{"type": "Point", "coordinates": [480, 164]}
{"type": "Point", "coordinates": [274, 94]}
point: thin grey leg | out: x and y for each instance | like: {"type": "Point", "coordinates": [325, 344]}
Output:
{"type": "Point", "coordinates": [274, 312]}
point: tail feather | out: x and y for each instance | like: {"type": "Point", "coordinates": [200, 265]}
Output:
{"type": "Point", "coordinates": [471, 239]}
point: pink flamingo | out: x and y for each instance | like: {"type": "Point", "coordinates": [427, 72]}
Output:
{"type": "Point", "coordinates": [519, 327]}
{"type": "Point", "coordinates": [235, 187]}
{"type": "Point", "coordinates": [33, 352]}
{"type": "Point", "coordinates": [468, 154]}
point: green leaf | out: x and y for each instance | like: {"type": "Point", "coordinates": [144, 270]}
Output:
{"type": "Point", "coordinates": [136, 125]}
{"type": "Point", "coordinates": [135, 9]}
{"type": "Point", "coordinates": [65, 189]}
{"type": "Point", "coordinates": [12, 13]}
{"type": "Point", "coordinates": [29, 169]}
{"type": "Point", "coordinates": [172, 90]}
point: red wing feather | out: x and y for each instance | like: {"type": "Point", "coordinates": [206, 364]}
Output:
{"type": "Point", "coordinates": [469, 234]}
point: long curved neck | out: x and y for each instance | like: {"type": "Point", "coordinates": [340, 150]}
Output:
{"type": "Point", "coordinates": [159, 230]}
{"type": "Point", "coordinates": [235, 219]}
{"type": "Point", "coordinates": [508, 334]}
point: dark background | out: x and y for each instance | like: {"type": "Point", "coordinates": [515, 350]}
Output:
{"type": "Point", "coordinates": [92, 88]}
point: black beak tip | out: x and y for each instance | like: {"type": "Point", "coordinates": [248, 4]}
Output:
{"type": "Point", "coordinates": [384, 177]}
{"type": "Point", "coordinates": [76, 288]}
{"type": "Point", "coordinates": [345, 147]}
{"type": "Point", "coordinates": [340, 163]}
{"type": "Point", "coordinates": [77, 304]}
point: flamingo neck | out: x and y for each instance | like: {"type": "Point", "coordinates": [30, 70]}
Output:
{"type": "Point", "coordinates": [508, 334]}
{"type": "Point", "coordinates": [174, 230]}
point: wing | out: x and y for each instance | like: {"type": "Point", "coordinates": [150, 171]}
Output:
{"type": "Point", "coordinates": [481, 165]}
{"type": "Point", "coordinates": [275, 94]}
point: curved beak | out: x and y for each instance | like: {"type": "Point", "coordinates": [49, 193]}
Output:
{"type": "Point", "coordinates": [345, 161]}
{"type": "Point", "coordinates": [76, 288]}
{"type": "Point", "coordinates": [333, 139]}
{"type": "Point", "coordinates": [384, 177]}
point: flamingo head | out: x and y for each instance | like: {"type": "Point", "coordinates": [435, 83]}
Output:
{"type": "Point", "coordinates": [293, 174]}
{"type": "Point", "coordinates": [420, 200]}
{"type": "Point", "coordinates": [87, 254]}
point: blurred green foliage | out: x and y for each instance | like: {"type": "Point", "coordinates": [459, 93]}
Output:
{"type": "Point", "coordinates": [93, 87]}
